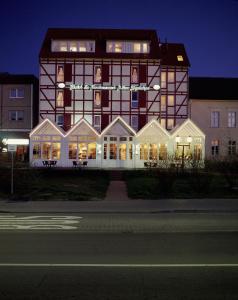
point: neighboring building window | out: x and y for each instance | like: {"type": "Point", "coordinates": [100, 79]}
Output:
{"type": "Point", "coordinates": [97, 122]}
{"type": "Point", "coordinates": [232, 148]}
{"type": "Point", "coordinates": [134, 122]}
{"type": "Point", "coordinates": [170, 123]}
{"type": "Point", "coordinates": [170, 76]}
{"type": "Point", "coordinates": [60, 73]}
{"type": "Point", "coordinates": [134, 75]}
{"type": "Point", "coordinates": [60, 99]}
{"type": "Point", "coordinates": [163, 103]}
{"type": "Point", "coordinates": [36, 151]}
{"type": "Point", "coordinates": [163, 79]}
{"type": "Point", "coordinates": [98, 74]}
{"type": "Point", "coordinates": [171, 100]}
{"type": "Point", "coordinates": [16, 115]}
{"type": "Point", "coordinates": [134, 100]}
{"type": "Point", "coordinates": [215, 147]}
{"type": "Point", "coordinates": [215, 116]}
{"type": "Point", "coordinates": [97, 99]}
{"type": "Point", "coordinates": [17, 93]}
{"type": "Point", "coordinates": [231, 119]}
{"type": "Point", "coordinates": [60, 120]}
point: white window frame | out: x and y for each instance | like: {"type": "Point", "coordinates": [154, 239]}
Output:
{"type": "Point", "coordinates": [17, 115]}
{"type": "Point", "coordinates": [215, 119]}
{"type": "Point", "coordinates": [231, 118]}
{"type": "Point", "coordinates": [16, 96]}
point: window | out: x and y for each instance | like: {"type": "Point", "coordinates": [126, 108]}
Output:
{"type": "Point", "coordinates": [46, 149]}
{"type": "Point", "coordinates": [215, 116]}
{"type": "Point", "coordinates": [163, 122]}
{"type": "Point", "coordinates": [98, 74]}
{"type": "Point", "coordinates": [97, 99]}
{"type": "Point", "coordinates": [60, 120]}
{"type": "Point", "coordinates": [128, 47]}
{"type": "Point", "coordinates": [232, 148]}
{"type": "Point", "coordinates": [36, 151]}
{"type": "Point", "coordinates": [134, 75]}
{"type": "Point", "coordinates": [105, 151]}
{"type": "Point", "coordinates": [97, 122]}
{"type": "Point", "coordinates": [73, 46]}
{"type": "Point", "coordinates": [60, 99]}
{"type": "Point", "coordinates": [113, 151]}
{"type": "Point", "coordinates": [170, 76]}
{"type": "Point", "coordinates": [122, 152]}
{"type": "Point", "coordinates": [134, 99]}
{"type": "Point", "coordinates": [197, 153]}
{"type": "Point", "coordinates": [113, 138]}
{"type": "Point", "coordinates": [56, 151]}
{"type": "Point", "coordinates": [163, 79]}
{"type": "Point", "coordinates": [215, 147]}
{"type": "Point", "coordinates": [60, 73]}
{"type": "Point", "coordinates": [179, 58]}
{"type": "Point", "coordinates": [130, 151]}
{"type": "Point", "coordinates": [123, 139]}
{"type": "Point", "coordinates": [136, 47]}
{"type": "Point", "coordinates": [143, 151]}
{"type": "Point", "coordinates": [118, 47]}
{"type": "Point", "coordinates": [171, 100]}
{"type": "Point", "coordinates": [92, 151]}
{"type": "Point", "coordinates": [17, 93]}
{"type": "Point", "coordinates": [231, 119]}
{"type": "Point", "coordinates": [72, 151]}
{"type": "Point", "coordinates": [153, 153]}
{"type": "Point", "coordinates": [82, 151]}
{"type": "Point", "coordinates": [16, 115]}
{"type": "Point", "coordinates": [170, 123]}
{"type": "Point", "coordinates": [162, 151]}
{"type": "Point", "coordinates": [134, 122]}
{"type": "Point", "coordinates": [163, 103]}
{"type": "Point", "coordinates": [62, 46]}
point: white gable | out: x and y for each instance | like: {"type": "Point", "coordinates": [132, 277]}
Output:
{"type": "Point", "coordinates": [153, 132]}
{"type": "Point", "coordinates": [119, 128]}
{"type": "Point", "coordinates": [82, 128]}
{"type": "Point", "coordinates": [188, 128]}
{"type": "Point", "coordinates": [47, 127]}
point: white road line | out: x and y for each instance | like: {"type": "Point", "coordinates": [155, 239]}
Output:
{"type": "Point", "coordinates": [204, 265]}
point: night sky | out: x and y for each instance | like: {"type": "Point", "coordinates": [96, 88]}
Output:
{"type": "Point", "coordinates": [207, 28]}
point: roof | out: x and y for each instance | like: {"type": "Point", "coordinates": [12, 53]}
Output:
{"type": "Point", "coordinates": [169, 53]}
{"type": "Point", "coordinates": [100, 36]}
{"type": "Point", "coordinates": [217, 88]}
{"type": "Point", "coordinates": [6, 78]}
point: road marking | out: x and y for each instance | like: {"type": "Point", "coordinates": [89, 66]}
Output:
{"type": "Point", "coordinates": [121, 265]}
{"type": "Point", "coordinates": [11, 222]}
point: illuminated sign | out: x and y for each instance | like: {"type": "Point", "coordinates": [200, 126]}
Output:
{"type": "Point", "coordinates": [133, 87]}
{"type": "Point", "coordinates": [17, 142]}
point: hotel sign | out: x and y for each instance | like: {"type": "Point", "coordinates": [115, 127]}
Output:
{"type": "Point", "coordinates": [133, 87]}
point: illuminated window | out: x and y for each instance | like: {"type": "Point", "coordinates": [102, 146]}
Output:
{"type": "Point", "coordinates": [82, 47]}
{"type": "Point", "coordinates": [56, 151]}
{"type": "Point", "coordinates": [130, 151]}
{"type": "Point", "coordinates": [17, 93]}
{"type": "Point", "coordinates": [162, 151]}
{"type": "Point", "coordinates": [170, 123]}
{"type": "Point", "coordinates": [46, 149]}
{"type": "Point", "coordinates": [36, 151]}
{"type": "Point", "coordinates": [231, 119]}
{"type": "Point", "coordinates": [215, 118]}
{"type": "Point", "coordinates": [170, 76]}
{"type": "Point", "coordinates": [92, 151]}
{"type": "Point", "coordinates": [145, 48]}
{"type": "Point", "coordinates": [73, 47]}
{"type": "Point", "coordinates": [98, 74]}
{"type": "Point", "coordinates": [179, 58]}
{"type": "Point", "coordinates": [113, 151]}
{"type": "Point", "coordinates": [163, 79]}
{"type": "Point", "coordinates": [197, 152]}
{"type": "Point", "coordinates": [136, 47]}
{"type": "Point", "coordinates": [163, 122]}
{"type": "Point", "coordinates": [62, 46]}
{"type": "Point", "coordinates": [82, 151]}
{"type": "Point", "coordinates": [134, 100]}
{"type": "Point", "coordinates": [122, 151]}
{"type": "Point", "coordinates": [231, 147]}
{"type": "Point", "coordinates": [143, 151]}
{"type": "Point", "coordinates": [171, 100]}
{"type": "Point", "coordinates": [118, 47]}
{"type": "Point", "coordinates": [97, 122]}
{"type": "Point", "coordinates": [60, 74]}
{"type": "Point", "coordinates": [97, 99]}
{"type": "Point", "coordinates": [163, 103]}
{"type": "Point", "coordinates": [127, 47]}
{"type": "Point", "coordinates": [72, 151]}
{"type": "Point", "coordinates": [215, 147]}
{"type": "Point", "coordinates": [134, 75]}
{"type": "Point", "coordinates": [153, 153]}
{"type": "Point", "coordinates": [60, 99]}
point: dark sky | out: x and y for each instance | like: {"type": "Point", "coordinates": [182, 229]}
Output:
{"type": "Point", "coordinates": [208, 28]}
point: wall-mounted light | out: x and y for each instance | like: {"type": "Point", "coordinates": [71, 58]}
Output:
{"type": "Point", "coordinates": [189, 139]}
{"type": "Point", "coordinates": [156, 87]}
{"type": "Point", "coordinates": [99, 149]}
{"type": "Point", "coordinates": [61, 85]}
{"type": "Point", "coordinates": [178, 139]}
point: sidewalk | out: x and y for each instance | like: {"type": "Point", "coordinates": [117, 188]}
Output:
{"type": "Point", "coordinates": [121, 206]}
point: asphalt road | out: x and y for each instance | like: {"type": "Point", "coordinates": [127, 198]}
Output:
{"type": "Point", "coordinates": [166, 256]}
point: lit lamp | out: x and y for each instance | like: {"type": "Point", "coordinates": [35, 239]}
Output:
{"type": "Point", "coordinates": [189, 139]}
{"type": "Point", "coordinates": [177, 139]}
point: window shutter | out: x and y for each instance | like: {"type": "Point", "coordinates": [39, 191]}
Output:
{"type": "Point", "coordinates": [105, 73]}
{"type": "Point", "coordinates": [143, 74]}
{"type": "Point", "coordinates": [142, 121]}
{"type": "Point", "coordinates": [105, 98]}
{"type": "Point", "coordinates": [67, 72]}
{"type": "Point", "coordinates": [67, 122]}
{"type": "Point", "coordinates": [67, 97]}
{"type": "Point", "coordinates": [105, 121]}
{"type": "Point", "coordinates": [142, 99]}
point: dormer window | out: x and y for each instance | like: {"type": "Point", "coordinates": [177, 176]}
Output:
{"type": "Point", "coordinates": [179, 58]}
{"type": "Point", "coordinates": [128, 47]}
{"type": "Point", "coordinates": [73, 46]}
